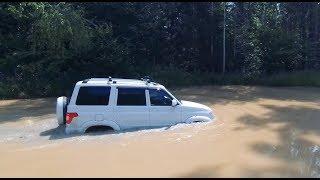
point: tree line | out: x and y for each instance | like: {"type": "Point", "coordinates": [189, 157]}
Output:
{"type": "Point", "coordinates": [45, 47]}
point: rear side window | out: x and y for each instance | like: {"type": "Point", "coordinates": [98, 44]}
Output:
{"type": "Point", "coordinates": [131, 97]}
{"type": "Point", "coordinates": [93, 95]}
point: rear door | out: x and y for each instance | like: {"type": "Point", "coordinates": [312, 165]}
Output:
{"type": "Point", "coordinates": [92, 104]}
{"type": "Point", "coordinates": [131, 110]}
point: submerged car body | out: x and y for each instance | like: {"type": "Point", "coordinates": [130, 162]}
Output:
{"type": "Point", "coordinates": [125, 104]}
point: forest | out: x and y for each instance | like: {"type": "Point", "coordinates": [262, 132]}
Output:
{"type": "Point", "coordinates": [45, 47]}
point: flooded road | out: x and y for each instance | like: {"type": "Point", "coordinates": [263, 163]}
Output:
{"type": "Point", "coordinates": [259, 132]}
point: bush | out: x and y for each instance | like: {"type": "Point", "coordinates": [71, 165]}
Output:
{"type": "Point", "coordinates": [168, 76]}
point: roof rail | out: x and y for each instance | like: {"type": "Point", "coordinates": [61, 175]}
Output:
{"type": "Point", "coordinates": [147, 79]}
{"type": "Point", "coordinates": [85, 81]}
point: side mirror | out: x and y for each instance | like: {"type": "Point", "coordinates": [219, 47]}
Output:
{"type": "Point", "coordinates": [174, 103]}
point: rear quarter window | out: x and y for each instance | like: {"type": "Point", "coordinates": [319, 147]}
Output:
{"type": "Point", "coordinates": [93, 95]}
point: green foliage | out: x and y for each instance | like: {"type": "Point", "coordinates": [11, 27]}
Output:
{"type": "Point", "coordinates": [46, 47]}
{"type": "Point", "coordinates": [299, 78]}
{"type": "Point", "coordinates": [282, 51]}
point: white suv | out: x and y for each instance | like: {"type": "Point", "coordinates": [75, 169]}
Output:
{"type": "Point", "coordinates": [123, 104]}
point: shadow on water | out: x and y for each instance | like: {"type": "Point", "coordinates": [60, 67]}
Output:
{"type": "Point", "coordinates": [295, 121]}
{"type": "Point", "coordinates": [204, 172]}
{"type": "Point", "coordinates": [213, 172]}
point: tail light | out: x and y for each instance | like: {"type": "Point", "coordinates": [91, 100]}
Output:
{"type": "Point", "coordinates": [70, 116]}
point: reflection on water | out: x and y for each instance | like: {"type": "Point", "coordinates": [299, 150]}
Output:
{"type": "Point", "coordinates": [296, 152]}
{"type": "Point", "coordinates": [314, 167]}
{"type": "Point", "coordinates": [309, 156]}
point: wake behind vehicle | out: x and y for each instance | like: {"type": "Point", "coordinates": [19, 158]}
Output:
{"type": "Point", "coordinates": [122, 104]}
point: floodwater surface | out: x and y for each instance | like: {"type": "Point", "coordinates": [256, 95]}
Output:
{"type": "Point", "coordinates": [259, 132]}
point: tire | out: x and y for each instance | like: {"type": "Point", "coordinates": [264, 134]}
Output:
{"type": "Point", "coordinates": [61, 110]}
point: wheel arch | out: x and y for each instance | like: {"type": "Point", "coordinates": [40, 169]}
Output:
{"type": "Point", "coordinates": [89, 124]}
{"type": "Point", "coordinates": [197, 118]}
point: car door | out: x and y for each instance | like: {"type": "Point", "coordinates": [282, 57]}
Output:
{"type": "Point", "coordinates": [131, 110]}
{"type": "Point", "coordinates": [161, 111]}
{"type": "Point", "coordinates": [92, 104]}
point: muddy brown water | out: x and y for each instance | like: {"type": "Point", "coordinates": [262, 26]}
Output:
{"type": "Point", "coordinates": [259, 132]}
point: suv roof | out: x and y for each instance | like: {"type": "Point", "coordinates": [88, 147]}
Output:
{"type": "Point", "coordinates": [119, 82]}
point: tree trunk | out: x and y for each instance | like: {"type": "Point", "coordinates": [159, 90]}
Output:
{"type": "Point", "coordinates": [224, 38]}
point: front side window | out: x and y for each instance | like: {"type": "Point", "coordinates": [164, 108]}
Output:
{"type": "Point", "coordinates": [131, 97]}
{"type": "Point", "coordinates": [160, 98]}
{"type": "Point", "coordinates": [93, 95]}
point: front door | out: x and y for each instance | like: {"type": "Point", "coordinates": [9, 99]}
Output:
{"type": "Point", "coordinates": [131, 110]}
{"type": "Point", "coordinates": [161, 111]}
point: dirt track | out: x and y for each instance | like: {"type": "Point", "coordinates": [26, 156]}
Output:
{"type": "Point", "coordinates": [259, 132]}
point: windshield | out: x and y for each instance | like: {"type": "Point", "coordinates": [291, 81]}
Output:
{"type": "Point", "coordinates": [172, 95]}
